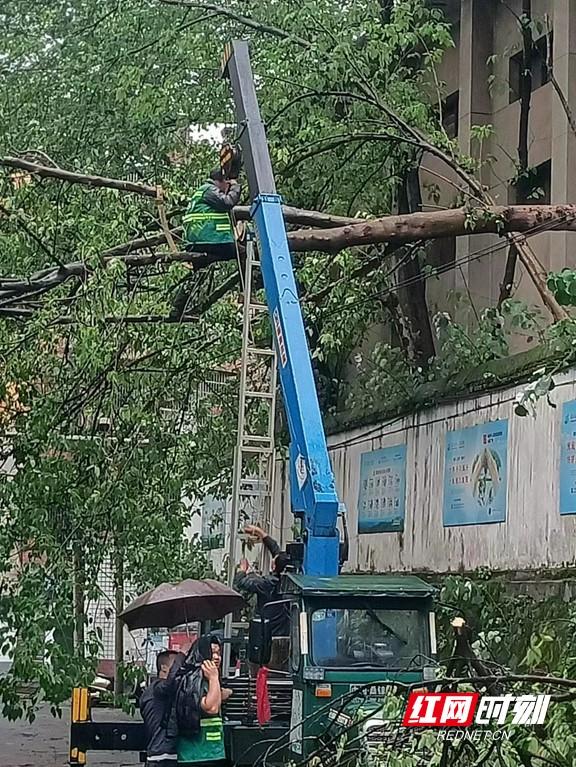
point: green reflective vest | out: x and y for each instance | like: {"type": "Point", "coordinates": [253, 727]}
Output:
{"type": "Point", "coordinates": [207, 747]}
{"type": "Point", "coordinates": [203, 225]}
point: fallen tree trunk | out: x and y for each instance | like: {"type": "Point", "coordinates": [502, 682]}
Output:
{"type": "Point", "coordinates": [524, 220]}
{"type": "Point", "coordinates": [399, 230]}
{"type": "Point", "coordinates": [402, 229]}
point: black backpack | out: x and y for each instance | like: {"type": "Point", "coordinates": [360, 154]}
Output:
{"type": "Point", "coordinates": [187, 703]}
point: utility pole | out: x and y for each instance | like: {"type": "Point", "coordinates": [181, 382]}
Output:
{"type": "Point", "coordinates": [78, 580]}
{"type": "Point", "coordinates": [119, 627]}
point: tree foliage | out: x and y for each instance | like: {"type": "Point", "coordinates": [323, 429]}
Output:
{"type": "Point", "coordinates": [109, 413]}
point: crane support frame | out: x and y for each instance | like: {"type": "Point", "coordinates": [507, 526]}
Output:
{"type": "Point", "coordinates": [312, 488]}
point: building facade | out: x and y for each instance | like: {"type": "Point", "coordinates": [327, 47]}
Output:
{"type": "Point", "coordinates": [480, 78]}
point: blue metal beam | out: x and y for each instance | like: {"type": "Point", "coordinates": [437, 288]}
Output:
{"type": "Point", "coordinates": [312, 489]}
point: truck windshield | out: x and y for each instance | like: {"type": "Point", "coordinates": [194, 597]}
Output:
{"type": "Point", "coordinates": [364, 636]}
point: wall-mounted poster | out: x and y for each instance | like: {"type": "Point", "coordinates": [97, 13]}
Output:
{"type": "Point", "coordinates": [381, 500]}
{"type": "Point", "coordinates": [568, 459]}
{"type": "Point", "coordinates": [475, 475]}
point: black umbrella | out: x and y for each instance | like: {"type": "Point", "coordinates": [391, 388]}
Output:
{"type": "Point", "coordinates": [174, 604]}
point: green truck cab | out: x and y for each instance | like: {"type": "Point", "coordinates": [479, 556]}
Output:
{"type": "Point", "coordinates": [349, 635]}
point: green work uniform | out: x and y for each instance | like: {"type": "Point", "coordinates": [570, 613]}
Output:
{"type": "Point", "coordinates": [203, 222]}
{"type": "Point", "coordinates": [208, 746]}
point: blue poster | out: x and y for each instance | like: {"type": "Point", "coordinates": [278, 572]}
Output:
{"type": "Point", "coordinates": [475, 475]}
{"type": "Point", "coordinates": [568, 459]}
{"type": "Point", "coordinates": [381, 500]}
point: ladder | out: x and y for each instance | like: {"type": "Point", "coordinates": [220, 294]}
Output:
{"type": "Point", "coordinates": [253, 470]}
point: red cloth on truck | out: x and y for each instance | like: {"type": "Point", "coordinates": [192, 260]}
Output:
{"type": "Point", "coordinates": [262, 697]}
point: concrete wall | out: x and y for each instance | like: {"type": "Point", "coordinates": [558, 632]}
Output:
{"type": "Point", "coordinates": [534, 534]}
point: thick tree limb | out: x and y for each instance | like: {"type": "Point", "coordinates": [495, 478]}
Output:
{"type": "Point", "coordinates": [297, 216]}
{"type": "Point", "coordinates": [411, 289]}
{"type": "Point", "coordinates": [78, 178]}
{"type": "Point", "coordinates": [395, 230]}
{"type": "Point", "coordinates": [246, 21]}
{"type": "Point", "coordinates": [506, 219]}
{"type": "Point", "coordinates": [509, 221]}
{"type": "Point", "coordinates": [457, 222]}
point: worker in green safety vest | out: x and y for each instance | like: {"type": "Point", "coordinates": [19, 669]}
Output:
{"type": "Point", "coordinates": [208, 227]}
{"type": "Point", "coordinates": [205, 746]}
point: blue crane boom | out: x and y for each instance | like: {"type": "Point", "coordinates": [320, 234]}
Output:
{"type": "Point", "coordinates": [312, 489]}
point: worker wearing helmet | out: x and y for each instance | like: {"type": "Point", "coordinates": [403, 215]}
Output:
{"type": "Point", "coordinates": [208, 227]}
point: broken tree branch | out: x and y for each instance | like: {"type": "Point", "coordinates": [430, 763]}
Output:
{"type": "Point", "coordinates": [298, 216]}
{"type": "Point", "coordinates": [456, 222]}
{"type": "Point", "coordinates": [45, 171]}
{"type": "Point", "coordinates": [512, 220]}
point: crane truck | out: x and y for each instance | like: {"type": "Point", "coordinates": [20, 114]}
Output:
{"type": "Point", "coordinates": [347, 632]}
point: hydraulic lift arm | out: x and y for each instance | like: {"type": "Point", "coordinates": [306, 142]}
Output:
{"type": "Point", "coordinates": [312, 489]}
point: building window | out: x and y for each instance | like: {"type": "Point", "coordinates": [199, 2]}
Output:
{"type": "Point", "coordinates": [450, 115]}
{"type": "Point", "coordinates": [540, 75]}
{"type": "Point", "coordinates": [538, 190]}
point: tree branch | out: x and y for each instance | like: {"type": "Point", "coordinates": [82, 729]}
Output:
{"type": "Point", "coordinates": [523, 190]}
{"type": "Point", "coordinates": [394, 230]}
{"type": "Point", "coordinates": [22, 313]}
{"type": "Point", "coordinates": [244, 20]}
{"type": "Point", "coordinates": [218, 293]}
{"type": "Point", "coordinates": [299, 216]}
{"type": "Point", "coordinates": [341, 139]}
{"type": "Point", "coordinates": [292, 215]}
{"type": "Point", "coordinates": [44, 171]}
{"type": "Point", "coordinates": [318, 94]}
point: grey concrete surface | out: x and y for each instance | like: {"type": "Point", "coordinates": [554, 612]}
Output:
{"type": "Point", "coordinates": [45, 742]}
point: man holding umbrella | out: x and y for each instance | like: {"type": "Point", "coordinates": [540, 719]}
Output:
{"type": "Point", "coordinates": [184, 700]}
{"type": "Point", "coordinates": [173, 604]}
